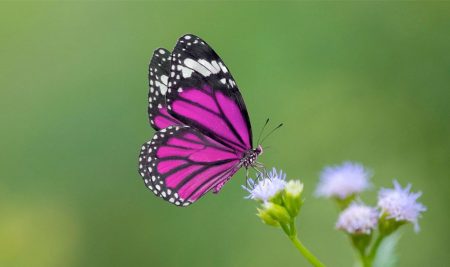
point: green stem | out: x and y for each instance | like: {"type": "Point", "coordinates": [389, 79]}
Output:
{"type": "Point", "coordinates": [374, 249]}
{"type": "Point", "coordinates": [366, 261]}
{"type": "Point", "coordinates": [306, 253]}
{"type": "Point", "coordinates": [303, 250]}
{"type": "Point", "coordinates": [360, 243]}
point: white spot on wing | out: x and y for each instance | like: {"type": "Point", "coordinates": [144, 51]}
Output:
{"type": "Point", "coordinates": [162, 87]}
{"type": "Point", "coordinates": [164, 79]}
{"type": "Point", "coordinates": [209, 66]}
{"type": "Point", "coordinates": [216, 66]}
{"type": "Point", "coordinates": [185, 72]}
{"type": "Point", "coordinates": [224, 69]}
{"type": "Point", "coordinates": [192, 64]}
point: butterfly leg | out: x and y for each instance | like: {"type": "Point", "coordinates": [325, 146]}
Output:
{"type": "Point", "coordinates": [247, 176]}
{"type": "Point", "coordinates": [259, 174]}
{"type": "Point", "coordinates": [260, 169]}
{"type": "Point", "coordinates": [258, 164]}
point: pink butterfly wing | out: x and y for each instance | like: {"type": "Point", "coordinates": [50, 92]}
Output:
{"type": "Point", "coordinates": [181, 164]}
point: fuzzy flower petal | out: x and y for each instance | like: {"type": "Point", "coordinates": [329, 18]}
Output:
{"type": "Point", "coordinates": [343, 180]}
{"type": "Point", "coordinates": [264, 188]}
{"type": "Point", "coordinates": [358, 219]}
{"type": "Point", "coordinates": [401, 204]}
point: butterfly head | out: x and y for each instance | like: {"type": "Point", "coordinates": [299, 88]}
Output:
{"type": "Point", "coordinates": [259, 150]}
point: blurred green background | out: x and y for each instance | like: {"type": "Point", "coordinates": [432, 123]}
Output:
{"type": "Point", "coordinates": [356, 81]}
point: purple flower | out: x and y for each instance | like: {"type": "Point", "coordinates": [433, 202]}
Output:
{"type": "Point", "coordinates": [400, 204]}
{"type": "Point", "coordinates": [265, 188]}
{"type": "Point", "coordinates": [358, 219]}
{"type": "Point", "coordinates": [343, 180]}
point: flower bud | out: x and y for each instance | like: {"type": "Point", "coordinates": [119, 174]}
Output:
{"type": "Point", "coordinates": [266, 218]}
{"type": "Point", "coordinates": [292, 197]}
{"type": "Point", "coordinates": [388, 225]}
{"type": "Point", "coordinates": [361, 241]}
{"type": "Point", "coordinates": [277, 212]}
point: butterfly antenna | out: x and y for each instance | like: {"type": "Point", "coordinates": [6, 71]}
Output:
{"type": "Point", "coordinates": [262, 130]}
{"type": "Point", "coordinates": [267, 135]}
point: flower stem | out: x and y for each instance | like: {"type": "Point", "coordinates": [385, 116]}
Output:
{"type": "Point", "coordinates": [374, 249]}
{"type": "Point", "coordinates": [360, 243]}
{"type": "Point", "coordinates": [305, 252]}
{"type": "Point", "coordinates": [292, 233]}
{"type": "Point", "coordinates": [365, 260]}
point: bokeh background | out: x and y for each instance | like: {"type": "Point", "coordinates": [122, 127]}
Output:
{"type": "Point", "coordinates": [362, 81]}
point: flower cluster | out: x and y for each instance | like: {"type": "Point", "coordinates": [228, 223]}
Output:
{"type": "Point", "coordinates": [280, 200]}
{"type": "Point", "coordinates": [395, 207]}
{"type": "Point", "coordinates": [348, 181]}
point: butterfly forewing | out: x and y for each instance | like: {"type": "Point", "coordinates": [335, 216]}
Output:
{"type": "Point", "coordinates": [158, 76]}
{"type": "Point", "coordinates": [203, 94]}
{"type": "Point", "coordinates": [181, 164]}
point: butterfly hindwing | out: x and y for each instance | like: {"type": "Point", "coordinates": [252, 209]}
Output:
{"type": "Point", "coordinates": [181, 164]}
{"type": "Point", "coordinates": [158, 76]}
{"type": "Point", "coordinates": [203, 94]}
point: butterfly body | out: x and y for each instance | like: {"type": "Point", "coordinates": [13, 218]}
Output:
{"type": "Point", "coordinates": [250, 157]}
{"type": "Point", "coordinates": [203, 129]}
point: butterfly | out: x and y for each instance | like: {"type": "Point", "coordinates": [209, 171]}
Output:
{"type": "Point", "coordinates": [204, 134]}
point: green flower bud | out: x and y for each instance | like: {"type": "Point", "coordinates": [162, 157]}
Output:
{"type": "Point", "coordinates": [266, 218]}
{"type": "Point", "coordinates": [292, 197]}
{"type": "Point", "coordinates": [277, 198]}
{"type": "Point", "coordinates": [344, 203]}
{"type": "Point", "coordinates": [277, 212]}
{"type": "Point", "coordinates": [361, 241]}
{"type": "Point", "coordinates": [388, 225]}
